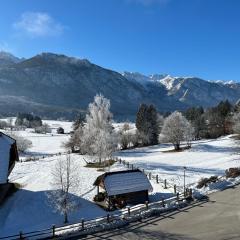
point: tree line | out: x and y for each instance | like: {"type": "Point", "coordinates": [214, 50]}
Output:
{"type": "Point", "coordinates": [95, 135]}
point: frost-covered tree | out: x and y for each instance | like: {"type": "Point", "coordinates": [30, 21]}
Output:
{"type": "Point", "coordinates": [22, 143]}
{"type": "Point", "coordinates": [176, 128]}
{"type": "Point", "coordinates": [45, 128]}
{"type": "Point", "coordinates": [99, 139]}
{"type": "Point", "coordinates": [75, 141]}
{"type": "Point", "coordinates": [64, 183]}
{"type": "Point", "coordinates": [125, 136]}
{"type": "Point", "coordinates": [236, 123]}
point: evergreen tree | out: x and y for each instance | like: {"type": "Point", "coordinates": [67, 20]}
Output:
{"type": "Point", "coordinates": [147, 124]}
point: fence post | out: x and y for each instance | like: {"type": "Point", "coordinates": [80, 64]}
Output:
{"type": "Point", "coordinates": [146, 204]}
{"type": "Point", "coordinates": [175, 188]}
{"type": "Point", "coordinates": [163, 203]}
{"type": "Point", "coordinates": [53, 230]}
{"type": "Point", "coordinates": [128, 164]}
{"type": "Point", "coordinates": [108, 218]}
{"type": "Point", "coordinates": [177, 197]}
{"type": "Point", "coordinates": [120, 160]}
{"type": "Point", "coordinates": [20, 235]}
{"type": "Point", "coordinates": [157, 178]}
{"type": "Point", "coordinates": [129, 211]}
{"type": "Point", "coordinates": [190, 192]}
{"type": "Point", "coordinates": [82, 223]}
{"type": "Point", "coordinates": [150, 176]}
{"type": "Point", "coordinates": [132, 167]}
{"type": "Point", "coordinates": [165, 183]}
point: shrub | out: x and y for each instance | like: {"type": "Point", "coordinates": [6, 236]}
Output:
{"type": "Point", "coordinates": [100, 197]}
{"type": "Point", "coordinates": [232, 172]}
{"type": "Point", "coordinates": [203, 182]}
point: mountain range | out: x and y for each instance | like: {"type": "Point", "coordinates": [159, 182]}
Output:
{"type": "Point", "coordinates": [54, 86]}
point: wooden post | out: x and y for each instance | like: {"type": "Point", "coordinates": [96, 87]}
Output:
{"type": "Point", "coordinates": [53, 230]}
{"type": "Point", "coordinates": [128, 164]}
{"type": "Point", "coordinates": [150, 176]}
{"type": "Point", "coordinates": [175, 188]}
{"type": "Point", "coordinates": [146, 204]}
{"type": "Point", "coordinates": [178, 197]}
{"type": "Point", "coordinates": [190, 192]}
{"type": "Point", "coordinates": [82, 223]}
{"type": "Point", "coordinates": [163, 203]}
{"type": "Point", "coordinates": [108, 218]}
{"type": "Point", "coordinates": [20, 235]}
{"type": "Point", "coordinates": [129, 211]}
{"type": "Point", "coordinates": [157, 178]}
{"type": "Point", "coordinates": [132, 167]}
{"type": "Point", "coordinates": [165, 183]}
{"type": "Point", "coordinates": [120, 160]}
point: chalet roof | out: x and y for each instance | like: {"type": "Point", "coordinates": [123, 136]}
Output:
{"type": "Point", "coordinates": [121, 182]}
{"type": "Point", "coordinates": [5, 146]}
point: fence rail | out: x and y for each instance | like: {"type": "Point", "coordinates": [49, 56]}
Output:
{"type": "Point", "coordinates": [84, 226]}
{"type": "Point", "coordinates": [126, 213]}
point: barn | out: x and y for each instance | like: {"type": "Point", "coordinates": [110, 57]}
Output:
{"type": "Point", "coordinates": [116, 189]}
{"type": "Point", "coordinates": [8, 156]}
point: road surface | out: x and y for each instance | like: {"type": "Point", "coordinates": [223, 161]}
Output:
{"type": "Point", "coordinates": [218, 218]}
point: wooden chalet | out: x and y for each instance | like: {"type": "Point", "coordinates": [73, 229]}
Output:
{"type": "Point", "coordinates": [8, 156]}
{"type": "Point", "coordinates": [117, 189]}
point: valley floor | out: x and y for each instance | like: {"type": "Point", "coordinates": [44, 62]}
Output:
{"type": "Point", "coordinates": [28, 209]}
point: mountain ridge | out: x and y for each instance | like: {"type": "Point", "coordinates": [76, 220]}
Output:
{"type": "Point", "coordinates": [51, 81]}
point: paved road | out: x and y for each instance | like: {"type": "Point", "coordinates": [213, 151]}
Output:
{"type": "Point", "coordinates": [218, 218]}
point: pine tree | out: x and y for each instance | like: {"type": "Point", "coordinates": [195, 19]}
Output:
{"type": "Point", "coordinates": [147, 124]}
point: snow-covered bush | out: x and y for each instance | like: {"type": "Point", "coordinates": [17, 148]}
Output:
{"type": "Point", "coordinates": [176, 128]}
{"type": "Point", "coordinates": [22, 143]}
{"type": "Point", "coordinates": [45, 128]}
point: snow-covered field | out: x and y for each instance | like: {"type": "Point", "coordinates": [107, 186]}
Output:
{"type": "Point", "coordinates": [28, 208]}
{"type": "Point", "coordinates": [206, 158]}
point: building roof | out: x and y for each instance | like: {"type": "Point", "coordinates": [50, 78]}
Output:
{"type": "Point", "coordinates": [121, 182]}
{"type": "Point", "coordinates": [5, 146]}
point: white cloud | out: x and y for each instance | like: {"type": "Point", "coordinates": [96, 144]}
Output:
{"type": "Point", "coordinates": [5, 47]}
{"type": "Point", "coordinates": [38, 24]}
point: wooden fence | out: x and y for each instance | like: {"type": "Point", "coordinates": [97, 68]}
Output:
{"type": "Point", "coordinates": [166, 184]}
{"type": "Point", "coordinates": [83, 227]}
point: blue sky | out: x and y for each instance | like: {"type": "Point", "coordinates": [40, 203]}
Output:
{"type": "Point", "coordinates": [178, 37]}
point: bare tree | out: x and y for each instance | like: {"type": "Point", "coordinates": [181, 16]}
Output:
{"type": "Point", "coordinates": [176, 128]}
{"type": "Point", "coordinates": [65, 182]}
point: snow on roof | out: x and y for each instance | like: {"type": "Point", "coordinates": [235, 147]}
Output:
{"type": "Point", "coordinates": [125, 182]}
{"type": "Point", "coordinates": [5, 146]}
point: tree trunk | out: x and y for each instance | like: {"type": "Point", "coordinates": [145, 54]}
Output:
{"type": "Point", "coordinates": [65, 217]}
{"type": "Point", "coordinates": [177, 146]}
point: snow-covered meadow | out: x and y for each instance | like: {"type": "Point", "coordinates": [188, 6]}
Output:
{"type": "Point", "coordinates": [28, 209]}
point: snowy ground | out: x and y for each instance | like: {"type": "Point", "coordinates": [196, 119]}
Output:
{"type": "Point", "coordinates": [28, 208]}
{"type": "Point", "coordinates": [206, 158]}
